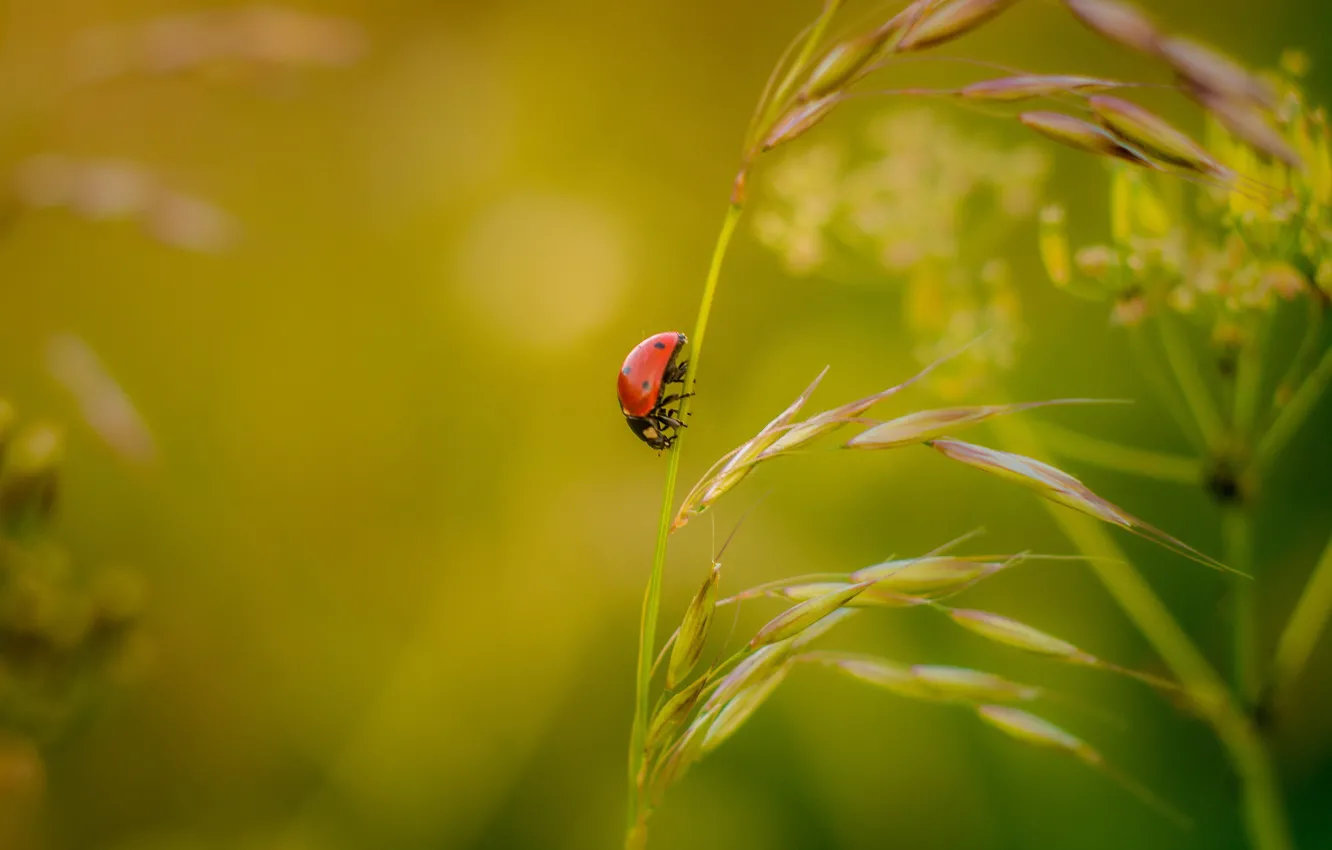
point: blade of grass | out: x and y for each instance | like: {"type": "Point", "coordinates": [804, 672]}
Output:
{"type": "Point", "coordinates": [652, 597]}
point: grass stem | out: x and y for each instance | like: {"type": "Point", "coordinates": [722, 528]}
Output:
{"type": "Point", "coordinates": [1264, 811]}
{"type": "Point", "coordinates": [1305, 625]}
{"type": "Point", "coordinates": [1237, 532]}
{"type": "Point", "coordinates": [1191, 383]}
{"type": "Point", "coordinates": [636, 835]}
{"type": "Point", "coordinates": [1293, 414]}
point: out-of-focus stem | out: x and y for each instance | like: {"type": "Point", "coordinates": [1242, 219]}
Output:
{"type": "Point", "coordinates": [1187, 374]}
{"type": "Point", "coordinates": [1293, 414]}
{"type": "Point", "coordinates": [1264, 811]}
{"type": "Point", "coordinates": [1305, 625]}
{"type": "Point", "coordinates": [1237, 531]}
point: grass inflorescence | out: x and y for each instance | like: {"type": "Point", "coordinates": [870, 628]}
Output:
{"type": "Point", "coordinates": [1263, 174]}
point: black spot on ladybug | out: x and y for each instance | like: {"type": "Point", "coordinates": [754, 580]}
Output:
{"type": "Point", "coordinates": [645, 385]}
{"type": "Point", "coordinates": [659, 345]}
{"type": "Point", "coordinates": [626, 370]}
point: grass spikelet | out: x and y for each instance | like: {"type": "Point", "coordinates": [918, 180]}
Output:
{"type": "Point", "coordinates": [871, 597]}
{"type": "Point", "coordinates": [929, 578]}
{"type": "Point", "coordinates": [824, 423]}
{"type": "Point", "coordinates": [923, 425]}
{"type": "Point", "coordinates": [1153, 135]}
{"type": "Point", "coordinates": [742, 706]}
{"type": "Point", "coordinates": [960, 684]}
{"type": "Point", "coordinates": [1019, 635]}
{"type": "Point", "coordinates": [752, 668]}
{"type": "Point", "coordinates": [797, 618]}
{"type": "Point", "coordinates": [1031, 86]}
{"type": "Point", "coordinates": [1060, 487]}
{"type": "Point", "coordinates": [1010, 632]}
{"type": "Point", "coordinates": [1249, 125]}
{"type": "Point", "coordinates": [1083, 136]}
{"type": "Point", "coordinates": [1122, 23]}
{"type": "Point", "coordinates": [1030, 729]}
{"type": "Point", "coordinates": [845, 62]}
{"type": "Point", "coordinates": [671, 716]}
{"type": "Point", "coordinates": [677, 760]}
{"type": "Point", "coordinates": [1209, 70]}
{"type": "Point", "coordinates": [735, 465]}
{"type": "Point", "coordinates": [949, 20]}
{"type": "Point", "coordinates": [693, 632]}
{"type": "Point", "coordinates": [798, 120]}
{"type": "Point", "coordinates": [870, 670]}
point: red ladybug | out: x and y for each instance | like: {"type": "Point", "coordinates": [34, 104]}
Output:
{"type": "Point", "coordinates": [642, 384]}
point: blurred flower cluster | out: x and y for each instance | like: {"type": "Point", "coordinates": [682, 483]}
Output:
{"type": "Point", "coordinates": [1226, 252]}
{"type": "Point", "coordinates": [929, 205]}
{"type": "Point", "coordinates": [61, 629]}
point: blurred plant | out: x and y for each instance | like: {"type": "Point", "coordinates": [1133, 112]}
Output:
{"type": "Point", "coordinates": [62, 630]}
{"type": "Point", "coordinates": [254, 42]}
{"type": "Point", "coordinates": [1207, 280]}
{"type": "Point", "coordinates": [817, 207]}
{"type": "Point", "coordinates": [934, 206]}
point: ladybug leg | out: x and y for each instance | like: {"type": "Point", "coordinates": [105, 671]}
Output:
{"type": "Point", "coordinates": [676, 397]}
{"type": "Point", "coordinates": [668, 420]}
{"type": "Point", "coordinates": [676, 373]}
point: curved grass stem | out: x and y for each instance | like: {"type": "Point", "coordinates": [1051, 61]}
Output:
{"type": "Point", "coordinates": [1264, 810]}
{"type": "Point", "coordinates": [1293, 414]}
{"type": "Point", "coordinates": [1305, 625]}
{"type": "Point", "coordinates": [636, 835]}
{"type": "Point", "coordinates": [1237, 532]}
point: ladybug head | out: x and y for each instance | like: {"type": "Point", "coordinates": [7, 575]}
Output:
{"type": "Point", "coordinates": [649, 432]}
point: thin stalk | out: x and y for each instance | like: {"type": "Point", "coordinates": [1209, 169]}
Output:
{"type": "Point", "coordinates": [1237, 531]}
{"type": "Point", "coordinates": [1304, 358]}
{"type": "Point", "coordinates": [647, 635]}
{"type": "Point", "coordinates": [1160, 384]}
{"type": "Point", "coordinates": [1248, 385]}
{"type": "Point", "coordinates": [1305, 625]}
{"type": "Point", "coordinates": [1187, 374]}
{"type": "Point", "coordinates": [1293, 415]}
{"type": "Point", "coordinates": [1264, 812]}
{"type": "Point", "coordinates": [1119, 458]}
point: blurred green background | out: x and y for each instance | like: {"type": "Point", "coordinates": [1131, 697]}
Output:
{"type": "Point", "coordinates": [395, 533]}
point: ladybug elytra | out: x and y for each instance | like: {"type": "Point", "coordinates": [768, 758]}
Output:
{"type": "Point", "coordinates": [642, 388]}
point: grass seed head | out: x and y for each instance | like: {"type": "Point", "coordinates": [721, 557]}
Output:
{"type": "Point", "coordinates": [1207, 69]}
{"type": "Point", "coordinates": [872, 671]}
{"type": "Point", "coordinates": [742, 707]}
{"type": "Point", "coordinates": [844, 62]}
{"type": "Point", "coordinates": [1123, 23]}
{"type": "Point", "coordinates": [797, 618]}
{"type": "Point", "coordinates": [1010, 632]}
{"type": "Point", "coordinates": [923, 425]}
{"type": "Point", "coordinates": [1082, 136]}
{"type": "Point", "coordinates": [1249, 125]}
{"type": "Point", "coordinates": [927, 578]}
{"type": "Point", "coordinates": [1152, 135]}
{"type": "Point", "coordinates": [672, 715]}
{"type": "Point", "coordinates": [1031, 86]}
{"type": "Point", "coordinates": [694, 629]}
{"type": "Point", "coordinates": [751, 669]}
{"type": "Point", "coordinates": [1031, 729]}
{"type": "Point", "coordinates": [798, 120]}
{"type": "Point", "coordinates": [949, 20]}
{"type": "Point", "coordinates": [960, 684]}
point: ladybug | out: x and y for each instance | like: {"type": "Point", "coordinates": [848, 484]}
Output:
{"type": "Point", "coordinates": [642, 386]}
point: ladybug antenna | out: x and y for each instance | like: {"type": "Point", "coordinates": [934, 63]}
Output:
{"type": "Point", "coordinates": [717, 558]}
